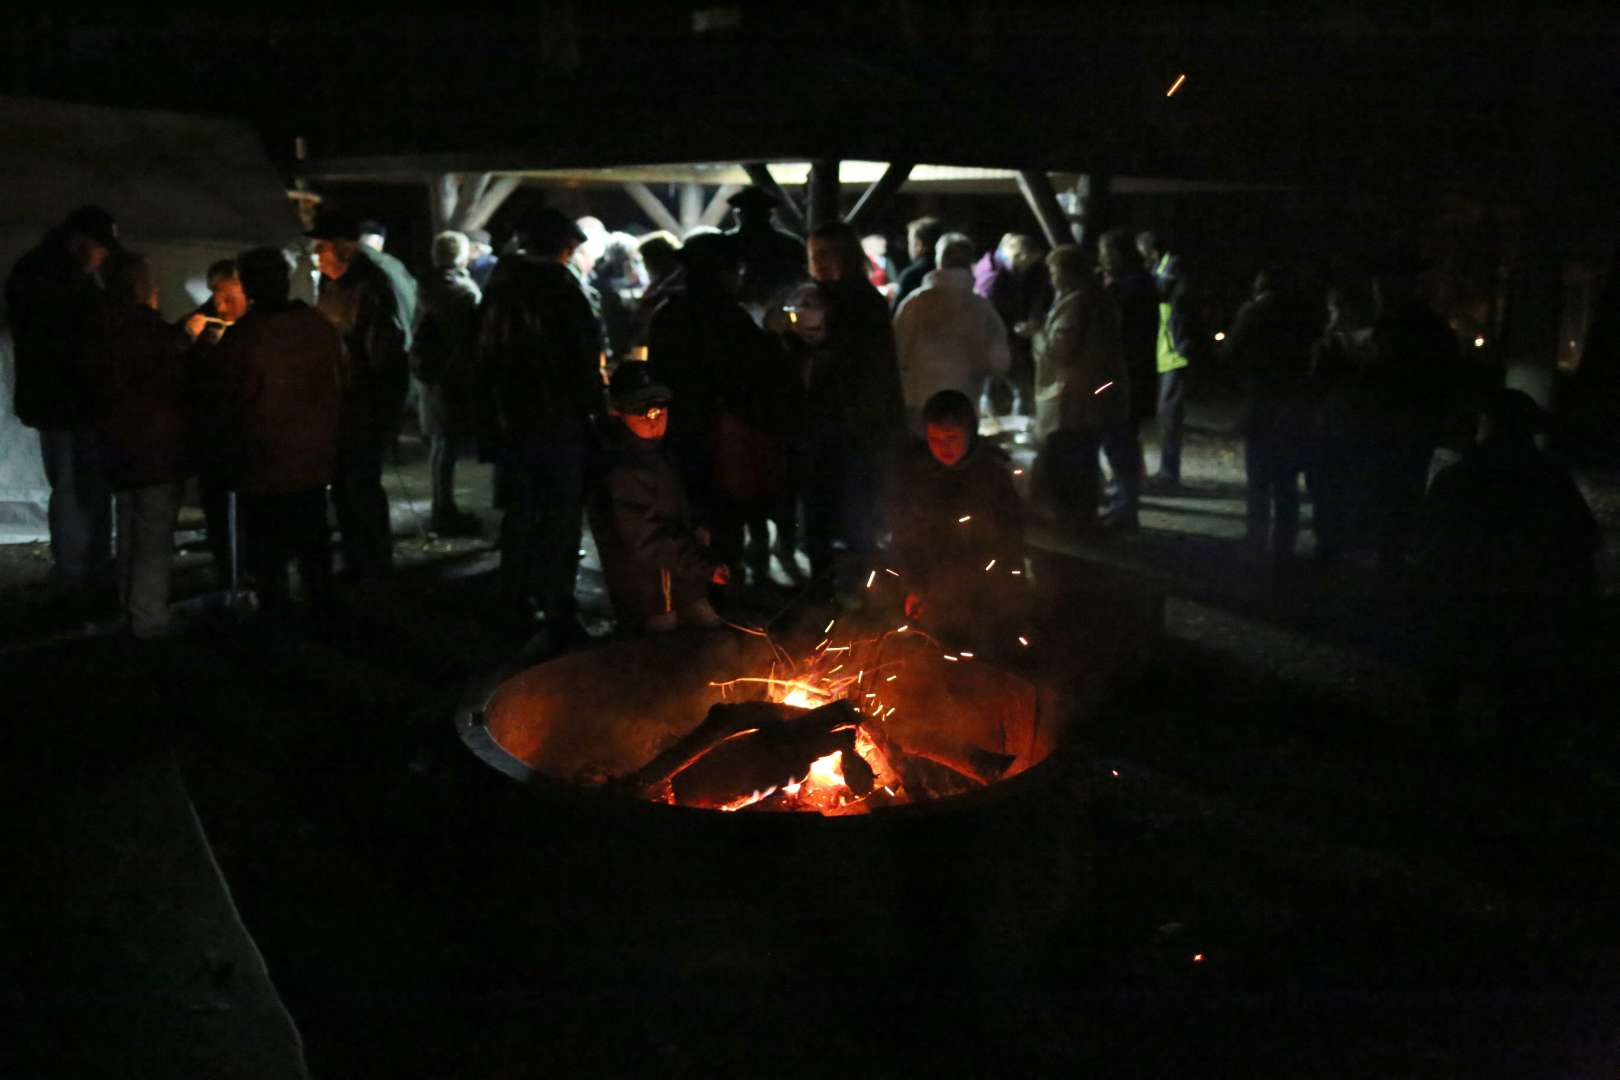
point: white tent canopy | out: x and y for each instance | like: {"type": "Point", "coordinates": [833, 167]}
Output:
{"type": "Point", "coordinates": [186, 191]}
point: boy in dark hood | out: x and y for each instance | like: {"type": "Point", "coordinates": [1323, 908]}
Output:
{"type": "Point", "coordinates": [656, 562]}
{"type": "Point", "coordinates": [958, 541]}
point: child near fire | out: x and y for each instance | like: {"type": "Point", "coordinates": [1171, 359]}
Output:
{"type": "Point", "coordinates": [656, 562]}
{"type": "Point", "coordinates": [958, 540]}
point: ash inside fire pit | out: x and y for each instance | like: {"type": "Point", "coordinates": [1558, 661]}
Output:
{"type": "Point", "coordinates": [724, 721]}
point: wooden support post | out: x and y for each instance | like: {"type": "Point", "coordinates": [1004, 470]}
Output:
{"type": "Point", "coordinates": [1091, 209]}
{"type": "Point", "coordinates": [491, 195]}
{"type": "Point", "coordinates": [442, 191]}
{"type": "Point", "coordinates": [719, 205]}
{"type": "Point", "coordinates": [1036, 188]}
{"type": "Point", "coordinates": [878, 196]}
{"type": "Point", "coordinates": [787, 207]}
{"type": "Point", "coordinates": [823, 193]}
{"type": "Point", "coordinates": [656, 211]}
{"type": "Point", "coordinates": [691, 206]}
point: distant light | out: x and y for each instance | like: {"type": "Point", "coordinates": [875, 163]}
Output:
{"type": "Point", "coordinates": [1176, 85]}
{"type": "Point", "coordinates": [1220, 335]}
{"type": "Point", "coordinates": [1479, 342]}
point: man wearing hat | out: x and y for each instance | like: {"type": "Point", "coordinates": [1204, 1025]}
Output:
{"type": "Point", "coordinates": [49, 297]}
{"type": "Point", "coordinates": [655, 559]}
{"type": "Point", "coordinates": [539, 362]}
{"type": "Point", "coordinates": [359, 297]}
{"type": "Point", "coordinates": [772, 260]}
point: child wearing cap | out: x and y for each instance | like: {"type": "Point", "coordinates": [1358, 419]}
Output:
{"type": "Point", "coordinates": [656, 562]}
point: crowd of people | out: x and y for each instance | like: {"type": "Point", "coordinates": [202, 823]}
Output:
{"type": "Point", "coordinates": [716, 401]}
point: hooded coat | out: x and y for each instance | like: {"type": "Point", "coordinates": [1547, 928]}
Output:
{"type": "Point", "coordinates": [947, 337]}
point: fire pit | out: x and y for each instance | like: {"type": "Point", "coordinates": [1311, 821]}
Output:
{"type": "Point", "coordinates": [861, 722]}
{"type": "Point", "coordinates": [742, 794]}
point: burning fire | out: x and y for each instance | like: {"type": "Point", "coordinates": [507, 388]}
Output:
{"type": "Point", "coordinates": [849, 671]}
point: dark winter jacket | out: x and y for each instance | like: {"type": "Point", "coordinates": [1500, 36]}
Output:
{"type": "Point", "coordinates": [911, 278]}
{"type": "Point", "coordinates": [134, 375]}
{"type": "Point", "coordinates": [1415, 382]}
{"type": "Point", "coordinates": [933, 548]}
{"type": "Point", "coordinates": [773, 261]}
{"type": "Point", "coordinates": [1269, 347]}
{"type": "Point", "coordinates": [442, 350]}
{"type": "Point", "coordinates": [1138, 300]}
{"type": "Point", "coordinates": [643, 528]}
{"type": "Point", "coordinates": [539, 353]}
{"type": "Point", "coordinates": [279, 385]}
{"type": "Point", "coordinates": [48, 305]}
{"type": "Point", "coordinates": [368, 312]}
{"type": "Point", "coordinates": [854, 379]}
{"type": "Point", "coordinates": [1508, 522]}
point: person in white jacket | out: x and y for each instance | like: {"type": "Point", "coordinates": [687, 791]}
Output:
{"type": "Point", "coordinates": [946, 336]}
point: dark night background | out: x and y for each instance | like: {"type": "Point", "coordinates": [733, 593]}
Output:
{"type": "Point", "coordinates": [1369, 904]}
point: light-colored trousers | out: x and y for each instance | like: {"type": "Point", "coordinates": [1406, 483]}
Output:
{"type": "Point", "coordinates": [146, 518]}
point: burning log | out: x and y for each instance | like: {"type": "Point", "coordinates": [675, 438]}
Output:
{"type": "Point", "coordinates": [788, 733]}
{"type": "Point", "coordinates": [772, 755]}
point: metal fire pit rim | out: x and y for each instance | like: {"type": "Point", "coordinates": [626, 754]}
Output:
{"type": "Point", "coordinates": [471, 727]}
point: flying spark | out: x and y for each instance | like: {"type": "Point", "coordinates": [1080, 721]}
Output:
{"type": "Point", "coordinates": [1479, 343]}
{"type": "Point", "coordinates": [952, 659]}
{"type": "Point", "coordinates": [1198, 958]}
{"type": "Point", "coordinates": [902, 629]}
{"type": "Point", "coordinates": [891, 678]}
{"type": "Point", "coordinates": [964, 519]}
{"type": "Point", "coordinates": [990, 565]}
{"type": "Point", "coordinates": [886, 570]}
{"type": "Point", "coordinates": [871, 578]}
{"type": "Point", "coordinates": [966, 655]}
{"type": "Point", "coordinates": [1024, 641]}
{"type": "Point", "coordinates": [1220, 335]}
{"type": "Point", "coordinates": [1018, 472]}
{"type": "Point", "coordinates": [1103, 387]}
{"type": "Point", "coordinates": [828, 628]}
{"type": "Point", "coordinates": [1175, 85]}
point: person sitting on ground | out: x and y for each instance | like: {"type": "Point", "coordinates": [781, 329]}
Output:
{"type": "Point", "coordinates": [958, 530]}
{"type": "Point", "coordinates": [282, 370]}
{"type": "Point", "coordinates": [656, 562]}
{"type": "Point", "coordinates": [135, 377]}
